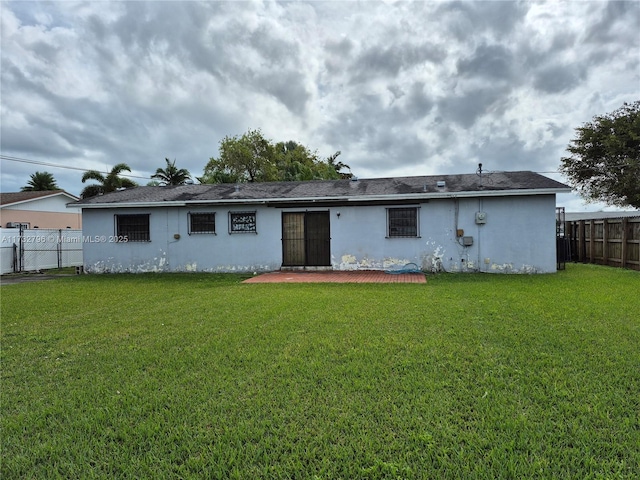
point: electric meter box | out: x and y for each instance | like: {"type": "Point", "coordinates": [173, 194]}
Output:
{"type": "Point", "coordinates": [481, 217]}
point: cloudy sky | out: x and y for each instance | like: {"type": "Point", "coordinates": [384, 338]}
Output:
{"type": "Point", "coordinates": [400, 88]}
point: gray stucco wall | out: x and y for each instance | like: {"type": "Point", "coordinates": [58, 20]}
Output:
{"type": "Point", "coordinates": [518, 237]}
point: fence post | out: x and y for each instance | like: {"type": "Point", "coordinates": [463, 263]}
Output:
{"type": "Point", "coordinates": [59, 248]}
{"type": "Point", "coordinates": [21, 249]}
{"type": "Point", "coordinates": [625, 238]}
{"type": "Point", "coordinates": [582, 242]}
{"type": "Point", "coordinates": [573, 245]}
{"type": "Point", "coordinates": [592, 241]}
{"type": "Point", "coordinates": [605, 241]}
{"type": "Point", "coordinates": [15, 258]}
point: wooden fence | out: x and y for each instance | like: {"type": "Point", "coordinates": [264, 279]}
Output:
{"type": "Point", "coordinates": [606, 241]}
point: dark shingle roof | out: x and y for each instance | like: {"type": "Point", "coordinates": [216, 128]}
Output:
{"type": "Point", "coordinates": [334, 190]}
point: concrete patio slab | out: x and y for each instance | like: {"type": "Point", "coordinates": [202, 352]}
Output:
{"type": "Point", "coordinates": [360, 276]}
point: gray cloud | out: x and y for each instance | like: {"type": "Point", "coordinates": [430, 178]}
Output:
{"type": "Point", "coordinates": [388, 61]}
{"type": "Point", "coordinates": [559, 78]}
{"type": "Point", "coordinates": [492, 62]}
{"type": "Point", "coordinates": [497, 18]}
{"type": "Point", "coordinates": [615, 22]}
{"type": "Point", "coordinates": [418, 103]}
{"type": "Point", "coordinates": [466, 109]}
{"type": "Point", "coordinates": [337, 54]}
{"type": "Point", "coordinates": [398, 87]}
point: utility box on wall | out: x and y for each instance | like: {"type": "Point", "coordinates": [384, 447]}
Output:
{"type": "Point", "coordinates": [481, 218]}
{"type": "Point", "coordinates": [467, 241]}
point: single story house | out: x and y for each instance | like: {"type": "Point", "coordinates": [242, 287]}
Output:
{"type": "Point", "coordinates": [494, 222]}
{"type": "Point", "coordinates": [39, 209]}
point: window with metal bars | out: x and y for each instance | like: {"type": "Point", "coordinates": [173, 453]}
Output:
{"type": "Point", "coordinates": [202, 222]}
{"type": "Point", "coordinates": [242, 222]}
{"type": "Point", "coordinates": [135, 228]}
{"type": "Point", "coordinates": [402, 222]}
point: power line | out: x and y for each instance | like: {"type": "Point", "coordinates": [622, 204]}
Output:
{"type": "Point", "coordinates": [54, 165]}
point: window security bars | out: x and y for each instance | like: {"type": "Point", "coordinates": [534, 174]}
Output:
{"type": "Point", "coordinates": [402, 222]}
{"type": "Point", "coordinates": [242, 222]}
{"type": "Point", "coordinates": [133, 228]}
{"type": "Point", "coordinates": [202, 223]}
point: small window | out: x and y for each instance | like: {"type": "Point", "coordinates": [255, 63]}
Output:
{"type": "Point", "coordinates": [402, 222]}
{"type": "Point", "coordinates": [242, 222]}
{"type": "Point", "coordinates": [202, 223]}
{"type": "Point", "coordinates": [135, 228]}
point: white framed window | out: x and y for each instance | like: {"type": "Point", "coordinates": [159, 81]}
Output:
{"type": "Point", "coordinates": [403, 222]}
{"type": "Point", "coordinates": [202, 222]}
{"type": "Point", "coordinates": [242, 222]}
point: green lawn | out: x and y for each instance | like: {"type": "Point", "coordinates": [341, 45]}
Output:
{"type": "Point", "coordinates": [200, 376]}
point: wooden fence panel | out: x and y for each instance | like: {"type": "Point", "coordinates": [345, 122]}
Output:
{"type": "Point", "coordinates": [609, 241]}
{"type": "Point", "coordinates": [633, 242]}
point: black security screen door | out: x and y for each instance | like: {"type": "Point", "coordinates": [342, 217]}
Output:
{"type": "Point", "coordinates": [317, 239]}
{"type": "Point", "coordinates": [306, 239]}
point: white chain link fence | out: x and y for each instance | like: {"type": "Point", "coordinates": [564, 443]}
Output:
{"type": "Point", "coordinates": [26, 250]}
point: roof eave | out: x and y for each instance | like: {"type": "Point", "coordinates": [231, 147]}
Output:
{"type": "Point", "coordinates": [73, 197]}
{"type": "Point", "coordinates": [426, 195]}
{"type": "Point", "coordinates": [127, 205]}
{"type": "Point", "coordinates": [501, 193]}
{"type": "Point", "coordinates": [341, 199]}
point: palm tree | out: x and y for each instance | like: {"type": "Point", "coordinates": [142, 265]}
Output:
{"type": "Point", "coordinates": [40, 181]}
{"type": "Point", "coordinates": [171, 175]}
{"type": "Point", "coordinates": [339, 166]}
{"type": "Point", "coordinates": [110, 183]}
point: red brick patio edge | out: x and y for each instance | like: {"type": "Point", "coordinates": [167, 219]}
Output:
{"type": "Point", "coordinates": [360, 276]}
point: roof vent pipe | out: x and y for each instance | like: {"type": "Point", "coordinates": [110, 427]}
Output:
{"type": "Point", "coordinates": [479, 173]}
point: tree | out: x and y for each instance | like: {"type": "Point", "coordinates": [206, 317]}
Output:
{"type": "Point", "coordinates": [339, 166]}
{"type": "Point", "coordinates": [248, 158]}
{"type": "Point", "coordinates": [295, 162]}
{"type": "Point", "coordinates": [109, 183]}
{"type": "Point", "coordinates": [253, 158]}
{"type": "Point", "coordinates": [605, 158]}
{"type": "Point", "coordinates": [171, 175]}
{"type": "Point", "coordinates": [40, 181]}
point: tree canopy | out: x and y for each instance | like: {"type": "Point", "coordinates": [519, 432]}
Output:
{"type": "Point", "coordinates": [109, 183]}
{"type": "Point", "coordinates": [253, 158]}
{"type": "Point", "coordinates": [40, 181]}
{"type": "Point", "coordinates": [171, 175]}
{"type": "Point", "coordinates": [604, 164]}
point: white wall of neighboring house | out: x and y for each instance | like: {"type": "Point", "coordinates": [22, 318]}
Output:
{"type": "Point", "coordinates": [518, 237]}
{"type": "Point", "coordinates": [47, 212]}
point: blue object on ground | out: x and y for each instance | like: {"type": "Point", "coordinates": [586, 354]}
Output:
{"type": "Point", "coordinates": [408, 268]}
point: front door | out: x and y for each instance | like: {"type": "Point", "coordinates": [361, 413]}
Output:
{"type": "Point", "coordinates": [305, 239]}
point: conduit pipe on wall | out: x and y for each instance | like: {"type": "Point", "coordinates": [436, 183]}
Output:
{"type": "Point", "coordinates": [480, 265]}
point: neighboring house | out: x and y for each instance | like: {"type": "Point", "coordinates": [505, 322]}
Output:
{"type": "Point", "coordinates": [40, 209]}
{"type": "Point", "coordinates": [496, 222]}
{"type": "Point", "coordinates": [577, 216]}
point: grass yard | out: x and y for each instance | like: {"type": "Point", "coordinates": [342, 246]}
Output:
{"type": "Point", "coordinates": [200, 376]}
